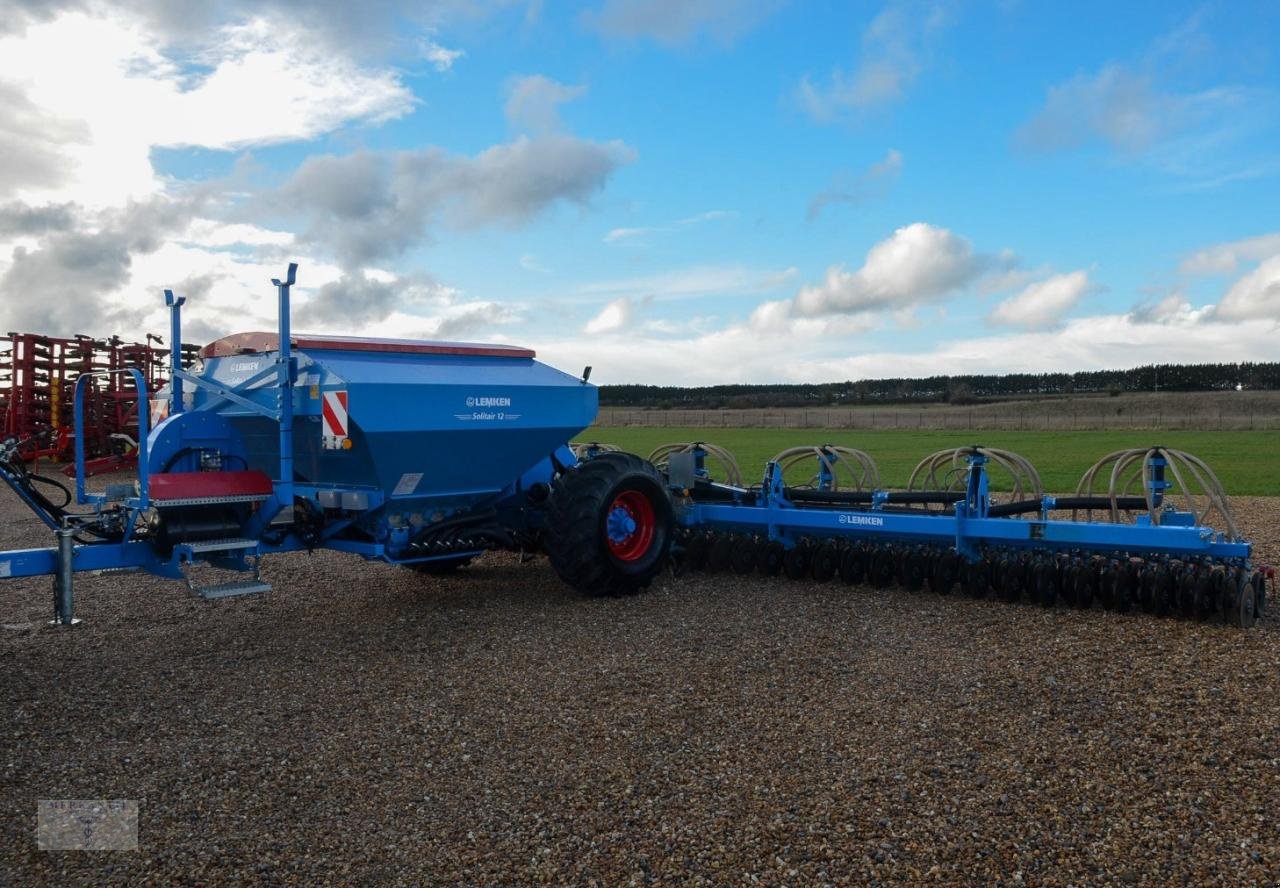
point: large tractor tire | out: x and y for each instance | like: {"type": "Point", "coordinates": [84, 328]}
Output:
{"type": "Point", "coordinates": [609, 525]}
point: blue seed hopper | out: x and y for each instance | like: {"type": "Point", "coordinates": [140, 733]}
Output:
{"type": "Point", "coordinates": [399, 426]}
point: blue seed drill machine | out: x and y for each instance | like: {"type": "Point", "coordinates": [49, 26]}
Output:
{"type": "Point", "coordinates": [426, 454]}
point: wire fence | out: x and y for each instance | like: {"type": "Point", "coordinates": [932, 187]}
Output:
{"type": "Point", "coordinates": [1032, 417]}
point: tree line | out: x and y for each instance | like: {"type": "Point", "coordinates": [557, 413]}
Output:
{"type": "Point", "coordinates": [966, 389]}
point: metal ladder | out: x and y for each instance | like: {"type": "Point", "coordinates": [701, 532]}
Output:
{"type": "Point", "coordinates": [189, 553]}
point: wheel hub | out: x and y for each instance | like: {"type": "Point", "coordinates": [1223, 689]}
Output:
{"type": "Point", "coordinates": [629, 525]}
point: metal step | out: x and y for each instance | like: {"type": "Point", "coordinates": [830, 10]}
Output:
{"type": "Point", "coordinates": [225, 545]}
{"type": "Point", "coordinates": [227, 590]}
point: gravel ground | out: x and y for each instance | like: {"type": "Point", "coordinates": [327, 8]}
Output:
{"type": "Point", "coordinates": [363, 723]}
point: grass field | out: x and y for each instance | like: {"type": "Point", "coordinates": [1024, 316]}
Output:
{"type": "Point", "coordinates": [1244, 461]}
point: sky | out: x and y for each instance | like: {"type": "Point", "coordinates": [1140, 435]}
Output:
{"type": "Point", "coordinates": [676, 192]}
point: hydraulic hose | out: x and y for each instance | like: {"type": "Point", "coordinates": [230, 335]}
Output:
{"type": "Point", "coordinates": [23, 482]}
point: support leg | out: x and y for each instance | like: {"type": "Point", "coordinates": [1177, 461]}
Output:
{"type": "Point", "coordinates": [62, 585]}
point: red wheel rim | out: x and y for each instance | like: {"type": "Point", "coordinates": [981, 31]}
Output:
{"type": "Point", "coordinates": [630, 525]}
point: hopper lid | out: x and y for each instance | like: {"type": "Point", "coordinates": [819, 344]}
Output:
{"type": "Point", "coordinates": [256, 342]}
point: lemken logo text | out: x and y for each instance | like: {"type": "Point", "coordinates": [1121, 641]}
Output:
{"type": "Point", "coordinates": [488, 401]}
{"type": "Point", "coordinates": [869, 520]}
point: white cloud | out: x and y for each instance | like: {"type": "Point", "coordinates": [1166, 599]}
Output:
{"type": "Point", "coordinates": [94, 220]}
{"type": "Point", "coordinates": [212, 233]}
{"type": "Point", "coordinates": [871, 183]}
{"type": "Point", "coordinates": [917, 263]}
{"type": "Point", "coordinates": [707, 216]}
{"type": "Point", "coordinates": [774, 346]}
{"type": "Point", "coordinates": [533, 103]}
{"type": "Point", "coordinates": [529, 262]}
{"type": "Point", "coordinates": [1043, 303]}
{"type": "Point", "coordinates": [703, 280]}
{"type": "Point", "coordinates": [440, 57]}
{"type": "Point", "coordinates": [617, 315]}
{"type": "Point", "coordinates": [895, 50]}
{"type": "Point", "coordinates": [1256, 295]}
{"type": "Point", "coordinates": [779, 341]}
{"type": "Point", "coordinates": [1172, 308]}
{"type": "Point", "coordinates": [267, 86]}
{"type": "Point", "coordinates": [1095, 342]}
{"type": "Point", "coordinates": [371, 205]}
{"type": "Point", "coordinates": [1121, 107]}
{"type": "Point", "coordinates": [258, 83]}
{"type": "Point", "coordinates": [616, 235]}
{"type": "Point", "coordinates": [229, 293]}
{"type": "Point", "coordinates": [1206, 134]}
{"type": "Point", "coordinates": [1224, 258]}
{"type": "Point", "coordinates": [765, 347]}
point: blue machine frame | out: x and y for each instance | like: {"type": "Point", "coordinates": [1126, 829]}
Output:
{"type": "Point", "coordinates": [772, 513]}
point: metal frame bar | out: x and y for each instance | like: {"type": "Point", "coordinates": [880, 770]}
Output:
{"type": "Point", "coordinates": [231, 394]}
{"type": "Point", "coordinates": [140, 384]}
{"type": "Point", "coordinates": [175, 304]}
{"type": "Point", "coordinates": [968, 529]}
{"type": "Point", "coordinates": [284, 390]}
{"type": "Point", "coordinates": [247, 385]}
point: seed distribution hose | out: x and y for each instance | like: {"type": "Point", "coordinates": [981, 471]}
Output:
{"type": "Point", "coordinates": [728, 464]}
{"type": "Point", "coordinates": [859, 469]}
{"type": "Point", "coordinates": [948, 469]}
{"type": "Point", "coordinates": [1124, 469]}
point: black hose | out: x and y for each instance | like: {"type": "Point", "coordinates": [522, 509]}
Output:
{"type": "Point", "coordinates": [1022, 507]}
{"type": "Point", "coordinates": [17, 474]}
{"type": "Point", "coordinates": [866, 497]}
{"type": "Point", "coordinates": [54, 483]}
{"type": "Point", "coordinates": [706, 492]}
{"type": "Point", "coordinates": [830, 497]}
{"type": "Point", "coordinates": [924, 497]}
{"type": "Point", "coordinates": [1018, 507]}
{"type": "Point", "coordinates": [1123, 503]}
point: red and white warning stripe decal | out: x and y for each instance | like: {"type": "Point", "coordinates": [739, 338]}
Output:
{"type": "Point", "coordinates": [334, 411]}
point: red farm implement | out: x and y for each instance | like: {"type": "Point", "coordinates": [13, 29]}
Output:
{"type": "Point", "coordinates": [38, 376]}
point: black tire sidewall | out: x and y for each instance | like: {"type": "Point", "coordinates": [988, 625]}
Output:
{"type": "Point", "coordinates": [656, 554]}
